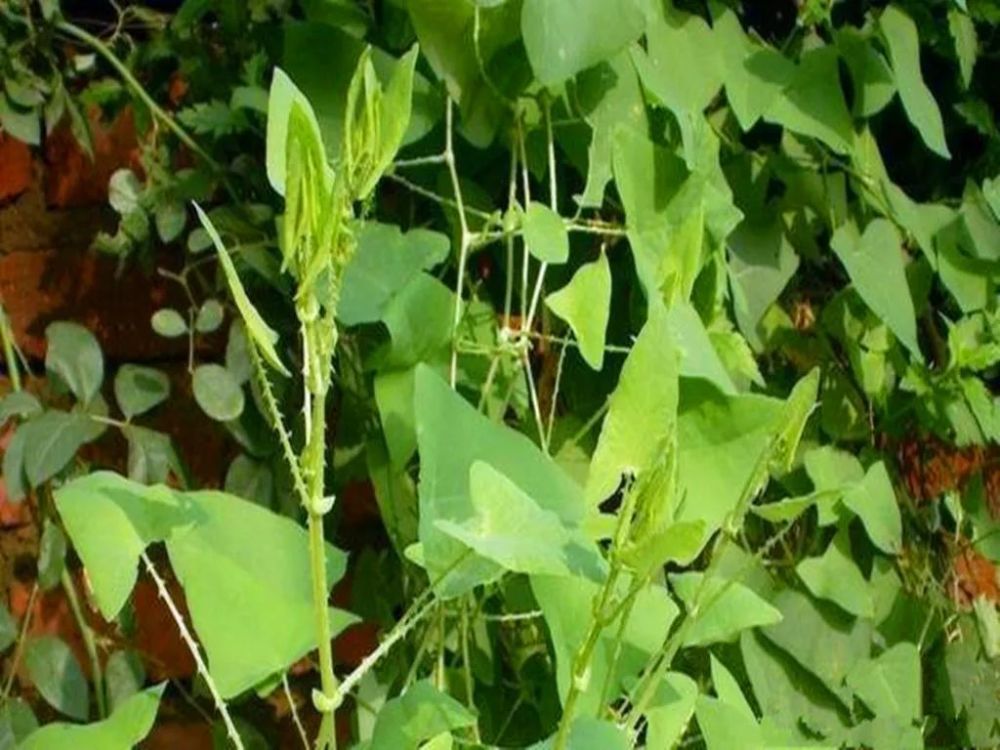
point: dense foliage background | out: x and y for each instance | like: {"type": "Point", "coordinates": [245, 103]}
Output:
{"type": "Point", "coordinates": [668, 346]}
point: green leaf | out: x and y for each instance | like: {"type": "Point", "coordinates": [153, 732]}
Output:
{"type": "Point", "coordinates": [13, 467]}
{"type": "Point", "coordinates": [243, 598]}
{"type": "Point", "coordinates": [385, 261]}
{"type": "Point", "coordinates": [74, 356]}
{"type": "Point", "coordinates": [989, 625]}
{"type": "Point", "coordinates": [445, 463]}
{"type": "Point", "coordinates": [124, 676]}
{"type": "Point", "coordinates": [511, 529]}
{"type": "Point", "coordinates": [151, 456]}
{"type": "Point", "coordinates": [24, 126]}
{"type": "Point", "coordinates": [725, 608]}
{"type": "Point", "coordinates": [124, 192]}
{"type": "Point", "coordinates": [725, 726]}
{"type": "Point", "coordinates": [51, 556]}
{"type": "Point", "coordinates": [169, 323]}
{"type": "Point", "coordinates": [252, 480]}
{"type": "Point", "coordinates": [874, 261]}
{"type": "Point", "coordinates": [420, 713]}
{"type": "Point", "coordinates": [170, 219]}
{"type": "Point", "coordinates": [138, 389]}
{"type": "Point", "coordinates": [963, 33]}
{"type": "Point", "coordinates": [209, 316]}
{"type": "Point", "coordinates": [679, 543]}
{"type": "Point", "coordinates": [673, 40]}
{"type": "Point", "coordinates": [903, 44]}
{"type": "Point", "coordinates": [260, 333]}
{"type": "Point", "coordinates": [874, 85]}
{"type": "Point", "coordinates": [609, 97]}
{"type": "Point", "coordinates": [589, 733]}
{"type": "Point", "coordinates": [791, 508]}
{"type": "Point", "coordinates": [8, 628]}
{"type": "Point", "coordinates": [585, 305]}
{"type": "Point", "coordinates": [127, 726]}
{"type": "Point", "coordinates": [19, 404]}
{"type": "Point", "coordinates": [419, 320]}
{"type": "Point", "coordinates": [834, 576]}
{"type": "Point", "coordinates": [890, 684]}
{"type": "Point", "coordinates": [670, 713]}
{"type": "Point", "coordinates": [248, 598]}
{"type": "Point", "coordinates": [821, 638]}
{"type": "Point", "coordinates": [761, 263]}
{"type": "Point", "coordinates": [17, 722]}
{"type": "Point", "coordinates": [217, 392]}
{"type": "Point", "coordinates": [698, 356]}
{"type": "Point", "coordinates": [969, 685]}
{"type": "Point", "coordinates": [724, 443]}
{"type": "Point", "coordinates": [563, 38]}
{"type": "Point", "coordinates": [874, 501]}
{"type": "Point", "coordinates": [754, 75]}
{"type": "Point", "coordinates": [641, 414]}
{"type": "Point", "coordinates": [813, 103]}
{"type": "Point", "coordinates": [52, 440]}
{"type": "Point", "coordinates": [284, 95]}
{"type": "Point", "coordinates": [545, 234]}
{"type": "Point", "coordinates": [562, 601]}
{"type": "Point", "coordinates": [56, 674]}
{"type": "Point", "coordinates": [728, 689]}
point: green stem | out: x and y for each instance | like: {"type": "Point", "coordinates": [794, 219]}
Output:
{"type": "Point", "coordinates": [13, 371]}
{"type": "Point", "coordinates": [19, 648]}
{"type": "Point", "coordinates": [89, 642]}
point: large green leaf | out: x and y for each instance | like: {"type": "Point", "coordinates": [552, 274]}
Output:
{"type": "Point", "coordinates": [564, 599]}
{"type": "Point", "coordinates": [445, 463]}
{"type": "Point", "coordinates": [585, 304]}
{"type": "Point", "coordinates": [673, 40]}
{"type": "Point", "coordinates": [874, 85]}
{"type": "Point", "coordinates": [671, 711]}
{"type": "Point", "coordinates": [890, 684]}
{"type": "Point", "coordinates": [563, 37]}
{"type": "Point", "coordinates": [903, 43]}
{"type": "Point", "coordinates": [724, 725]}
{"type": "Point", "coordinates": [52, 440]}
{"type": "Point", "coordinates": [385, 261]}
{"type": "Point", "coordinates": [874, 261]}
{"type": "Point", "coordinates": [420, 713]}
{"type": "Point", "coordinates": [512, 530]}
{"type": "Point", "coordinates": [56, 674]}
{"type": "Point", "coordinates": [127, 726]}
{"type": "Point", "coordinates": [244, 597]}
{"type": "Point", "coordinates": [642, 413]}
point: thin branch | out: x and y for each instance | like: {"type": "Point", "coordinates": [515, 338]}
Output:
{"type": "Point", "coordinates": [199, 663]}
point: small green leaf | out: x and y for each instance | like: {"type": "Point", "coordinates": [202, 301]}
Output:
{"type": "Point", "coordinates": [728, 689]}
{"type": "Point", "coordinates": [834, 576]}
{"type": "Point", "coordinates": [8, 628]}
{"type": "Point", "coordinates": [124, 190]}
{"type": "Point", "coordinates": [545, 234]}
{"type": "Point", "coordinates": [874, 501]}
{"type": "Point", "coordinates": [989, 625]}
{"type": "Point", "coordinates": [724, 726]}
{"type": "Point", "coordinates": [420, 713]}
{"type": "Point", "coordinates": [51, 556]}
{"type": "Point", "coordinates": [52, 440]}
{"type": "Point", "coordinates": [127, 726]}
{"type": "Point", "coordinates": [585, 304]}
{"type": "Point", "coordinates": [217, 392]}
{"type": "Point", "coordinates": [74, 355]}
{"type": "Point", "coordinates": [170, 220]}
{"type": "Point", "coordinates": [151, 456]}
{"type": "Point", "coordinates": [678, 543]}
{"type": "Point", "coordinates": [169, 323]}
{"type": "Point", "coordinates": [124, 676]}
{"type": "Point", "coordinates": [55, 672]}
{"type": "Point", "coordinates": [209, 317]}
{"type": "Point", "coordinates": [17, 722]}
{"type": "Point", "coordinates": [252, 480]}
{"type": "Point", "coordinates": [903, 43]}
{"type": "Point", "coordinates": [262, 335]}
{"type": "Point", "coordinates": [874, 261]}
{"type": "Point", "coordinates": [138, 389]}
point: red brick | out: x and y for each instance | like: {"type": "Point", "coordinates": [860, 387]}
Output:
{"type": "Point", "coordinates": [16, 169]}
{"type": "Point", "coordinates": [71, 177]}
